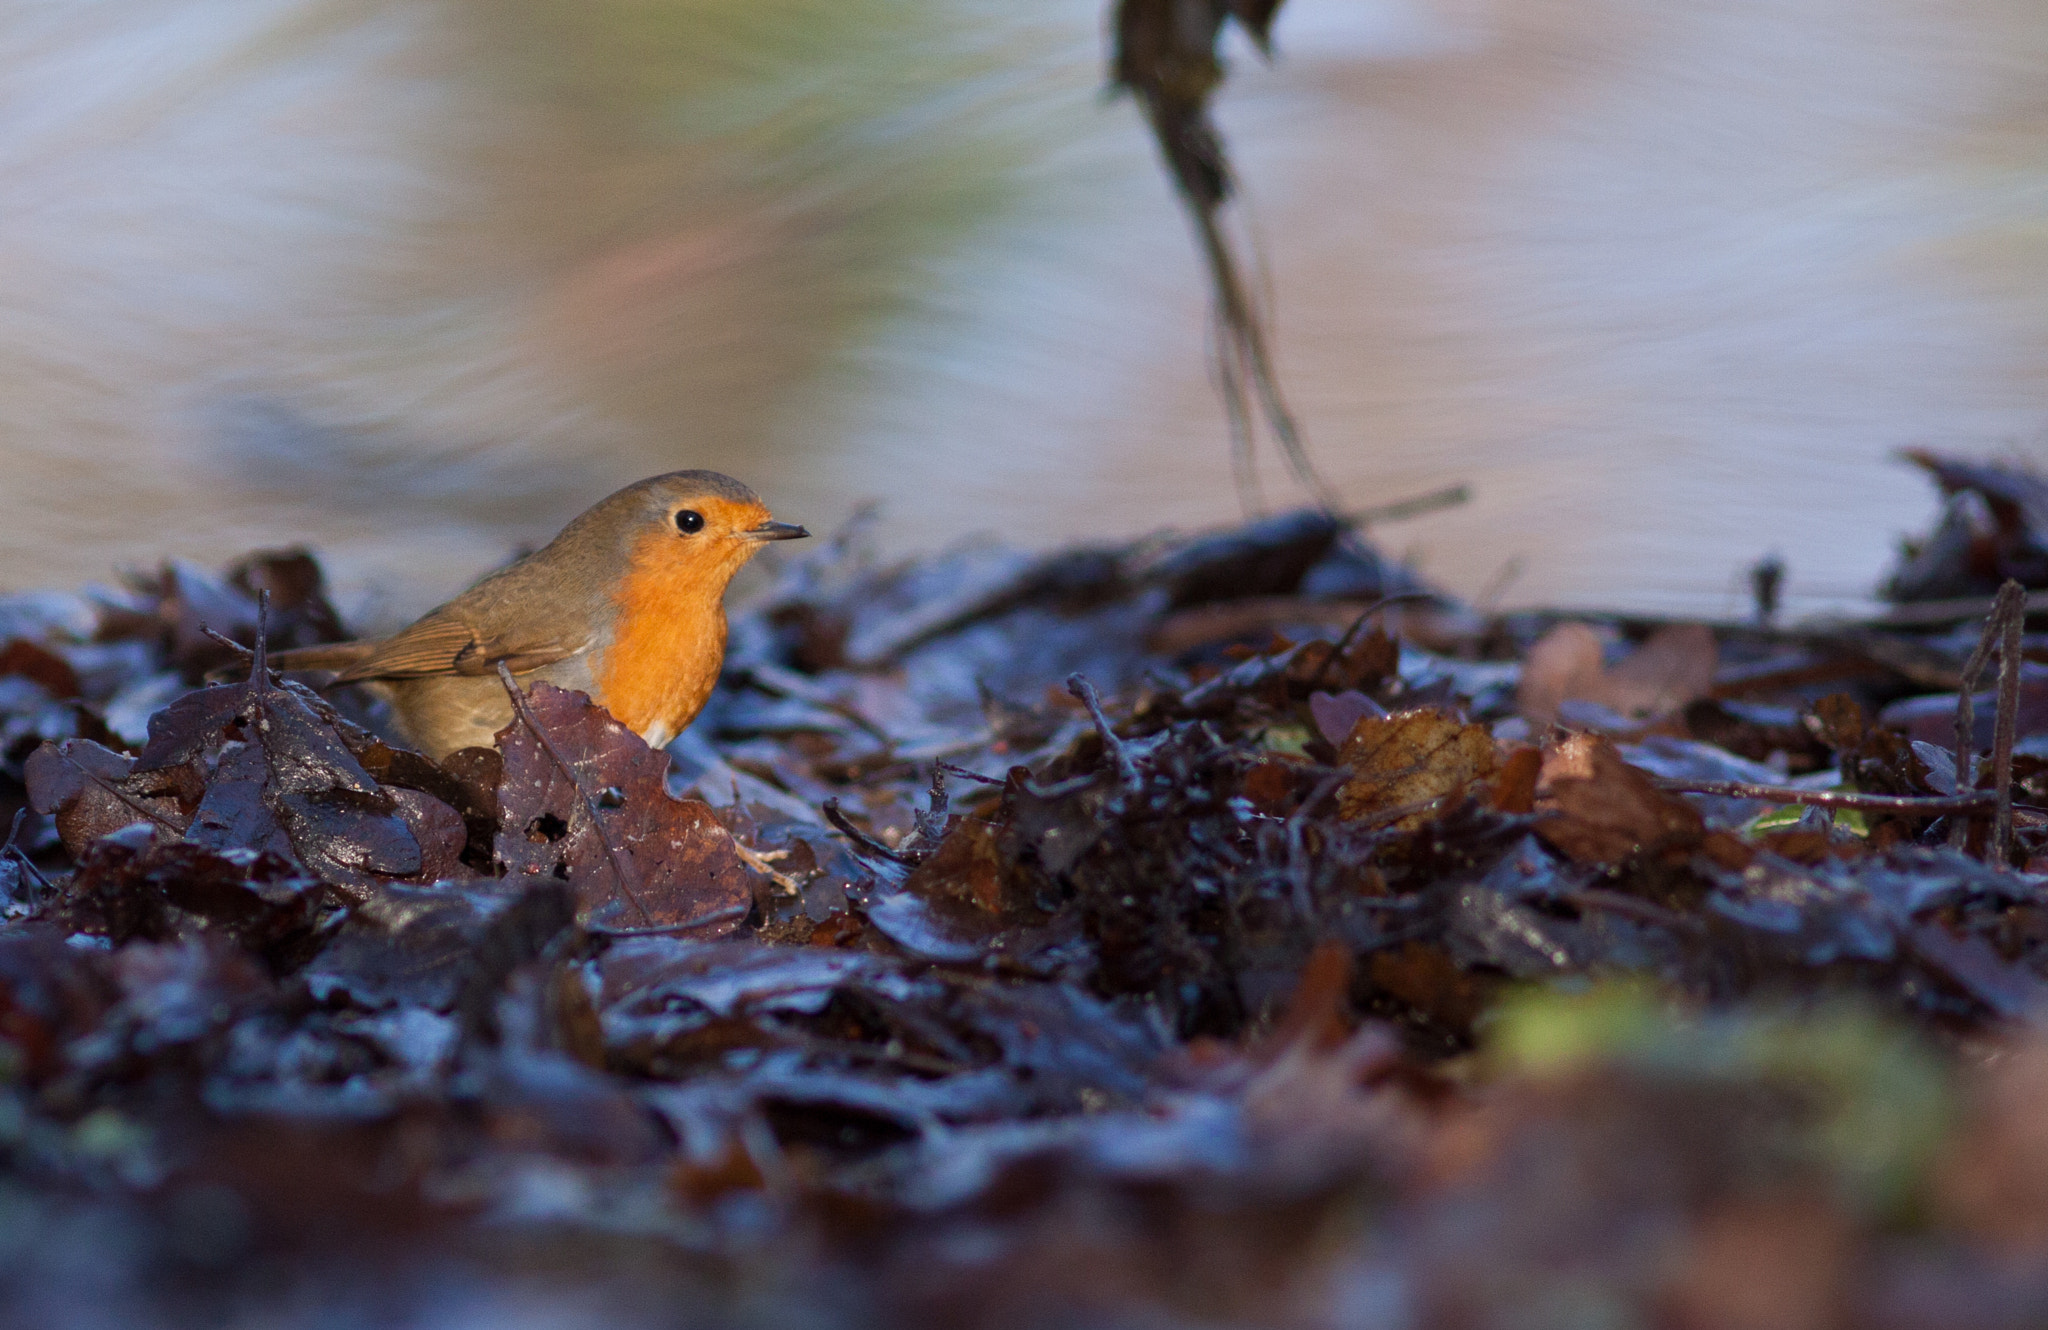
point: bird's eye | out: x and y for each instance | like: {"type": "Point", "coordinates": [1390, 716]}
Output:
{"type": "Point", "coordinates": [689, 521]}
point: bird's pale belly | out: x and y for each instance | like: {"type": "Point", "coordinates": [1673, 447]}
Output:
{"type": "Point", "coordinates": [441, 713]}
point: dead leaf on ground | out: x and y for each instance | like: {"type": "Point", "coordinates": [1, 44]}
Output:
{"type": "Point", "coordinates": [1429, 981]}
{"type": "Point", "coordinates": [1674, 667]}
{"type": "Point", "coordinates": [1765, 1263]}
{"type": "Point", "coordinates": [676, 865]}
{"type": "Point", "coordinates": [87, 789]}
{"type": "Point", "coordinates": [28, 660]}
{"type": "Point", "coordinates": [1993, 1180]}
{"type": "Point", "coordinates": [1601, 810]}
{"type": "Point", "coordinates": [279, 776]}
{"type": "Point", "coordinates": [1412, 758]}
{"type": "Point", "coordinates": [1337, 714]}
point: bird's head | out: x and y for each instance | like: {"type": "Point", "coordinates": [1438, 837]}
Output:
{"type": "Point", "coordinates": [687, 531]}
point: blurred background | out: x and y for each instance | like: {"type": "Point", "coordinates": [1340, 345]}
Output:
{"type": "Point", "coordinates": [415, 280]}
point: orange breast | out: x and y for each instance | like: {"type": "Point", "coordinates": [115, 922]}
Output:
{"type": "Point", "coordinates": [667, 644]}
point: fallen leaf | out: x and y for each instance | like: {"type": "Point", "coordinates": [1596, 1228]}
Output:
{"type": "Point", "coordinates": [1674, 667]}
{"type": "Point", "coordinates": [1601, 810]}
{"type": "Point", "coordinates": [675, 865]}
{"type": "Point", "coordinates": [278, 776]}
{"type": "Point", "coordinates": [437, 947]}
{"type": "Point", "coordinates": [85, 787]}
{"type": "Point", "coordinates": [1427, 979]}
{"type": "Point", "coordinates": [1337, 714]}
{"type": "Point", "coordinates": [19, 656]}
{"type": "Point", "coordinates": [1774, 1262]}
{"type": "Point", "coordinates": [123, 885]}
{"type": "Point", "coordinates": [1514, 785]}
{"type": "Point", "coordinates": [1411, 758]}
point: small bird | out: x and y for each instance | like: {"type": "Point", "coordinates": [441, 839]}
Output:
{"type": "Point", "coordinates": [627, 604]}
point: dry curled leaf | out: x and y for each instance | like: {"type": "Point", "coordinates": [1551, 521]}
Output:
{"type": "Point", "coordinates": [1411, 758]}
{"type": "Point", "coordinates": [279, 776]}
{"type": "Point", "coordinates": [87, 789]}
{"type": "Point", "coordinates": [675, 866]}
{"type": "Point", "coordinates": [1674, 667]}
{"type": "Point", "coordinates": [1431, 983]}
{"type": "Point", "coordinates": [1600, 810]}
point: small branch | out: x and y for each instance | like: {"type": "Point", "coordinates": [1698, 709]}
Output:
{"type": "Point", "coordinates": [1344, 643]}
{"type": "Point", "coordinates": [1450, 496]}
{"type": "Point", "coordinates": [780, 682]}
{"type": "Point", "coordinates": [228, 642]}
{"type": "Point", "coordinates": [260, 665]}
{"type": "Point", "coordinates": [118, 793]}
{"type": "Point", "coordinates": [764, 864]}
{"type": "Point", "coordinates": [11, 847]}
{"type": "Point", "coordinates": [1929, 805]}
{"type": "Point", "coordinates": [1126, 769]}
{"type": "Point", "coordinates": [611, 853]}
{"type": "Point", "coordinates": [951, 770]}
{"type": "Point", "coordinates": [717, 916]}
{"type": "Point", "coordinates": [1966, 718]}
{"type": "Point", "coordinates": [931, 824]}
{"type": "Point", "coordinates": [860, 838]}
{"type": "Point", "coordinates": [1388, 816]}
{"type": "Point", "coordinates": [2002, 629]}
{"type": "Point", "coordinates": [1300, 869]}
{"type": "Point", "coordinates": [2011, 617]}
{"type": "Point", "coordinates": [1630, 907]}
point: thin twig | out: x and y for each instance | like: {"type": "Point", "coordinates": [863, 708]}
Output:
{"type": "Point", "coordinates": [1930, 805]}
{"type": "Point", "coordinates": [1300, 870]}
{"type": "Point", "coordinates": [1228, 363]}
{"type": "Point", "coordinates": [611, 853]}
{"type": "Point", "coordinates": [1966, 718]}
{"type": "Point", "coordinates": [2011, 615]}
{"type": "Point", "coordinates": [63, 751]}
{"type": "Point", "coordinates": [229, 642]}
{"type": "Point", "coordinates": [1344, 643]}
{"type": "Point", "coordinates": [764, 865]}
{"type": "Point", "coordinates": [1388, 816]}
{"type": "Point", "coordinates": [1630, 907]}
{"type": "Point", "coordinates": [717, 916]}
{"type": "Point", "coordinates": [776, 680]}
{"type": "Point", "coordinates": [951, 770]}
{"type": "Point", "coordinates": [1243, 339]}
{"type": "Point", "coordinates": [259, 665]}
{"type": "Point", "coordinates": [1450, 496]}
{"type": "Point", "coordinates": [1497, 586]}
{"type": "Point", "coordinates": [860, 838]}
{"type": "Point", "coordinates": [13, 848]}
{"type": "Point", "coordinates": [1126, 768]}
{"type": "Point", "coordinates": [930, 826]}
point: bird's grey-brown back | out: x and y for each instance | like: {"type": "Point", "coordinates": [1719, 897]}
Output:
{"type": "Point", "coordinates": [592, 550]}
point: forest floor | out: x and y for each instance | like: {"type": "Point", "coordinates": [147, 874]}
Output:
{"type": "Point", "coordinates": [1217, 930]}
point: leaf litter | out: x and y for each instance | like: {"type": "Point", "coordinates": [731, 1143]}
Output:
{"type": "Point", "coordinates": [1210, 930]}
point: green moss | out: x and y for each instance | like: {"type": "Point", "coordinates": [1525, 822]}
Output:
{"type": "Point", "coordinates": [1880, 1098]}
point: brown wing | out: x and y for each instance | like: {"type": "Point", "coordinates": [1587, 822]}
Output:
{"type": "Point", "coordinates": [442, 643]}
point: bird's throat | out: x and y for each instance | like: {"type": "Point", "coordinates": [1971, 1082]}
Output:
{"type": "Point", "coordinates": [667, 645]}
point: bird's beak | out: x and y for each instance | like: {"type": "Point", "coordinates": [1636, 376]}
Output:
{"type": "Point", "coordinates": [775, 531]}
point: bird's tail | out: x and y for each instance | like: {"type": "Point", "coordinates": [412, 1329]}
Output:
{"type": "Point", "coordinates": [336, 656]}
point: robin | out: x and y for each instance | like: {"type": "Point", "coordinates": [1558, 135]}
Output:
{"type": "Point", "coordinates": [627, 604]}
